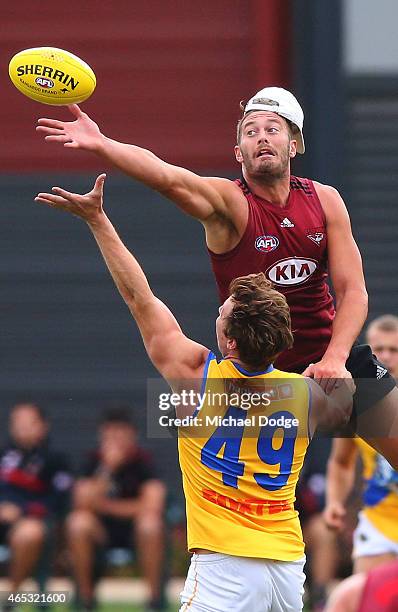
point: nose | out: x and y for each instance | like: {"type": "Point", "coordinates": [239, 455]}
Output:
{"type": "Point", "coordinates": [263, 136]}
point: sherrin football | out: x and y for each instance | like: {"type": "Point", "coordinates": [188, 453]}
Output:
{"type": "Point", "coordinates": [52, 76]}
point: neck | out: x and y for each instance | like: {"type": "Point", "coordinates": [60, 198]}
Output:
{"type": "Point", "coordinates": [244, 365]}
{"type": "Point", "coordinates": [275, 190]}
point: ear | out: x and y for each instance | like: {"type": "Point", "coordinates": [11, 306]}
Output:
{"type": "Point", "coordinates": [231, 344]}
{"type": "Point", "coordinates": [293, 148]}
{"type": "Point", "coordinates": [238, 154]}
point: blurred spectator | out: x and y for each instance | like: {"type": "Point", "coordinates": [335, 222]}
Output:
{"type": "Point", "coordinates": [376, 535]}
{"type": "Point", "coordinates": [382, 335]}
{"type": "Point", "coordinates": [119, 500]}
{"type": "Point", "coordinates": [376, 591]}
{"type": "Point", "coordinates": [35, 482]}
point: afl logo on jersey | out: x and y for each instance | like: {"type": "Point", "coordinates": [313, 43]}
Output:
{"type": "Point", "coordinates": [291, 271]}
{"type": "Point", "coordinates": [266, 244]}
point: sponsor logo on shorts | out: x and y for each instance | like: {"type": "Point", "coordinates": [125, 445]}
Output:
{"type": "Point", "coordinates": [266, 244]}
{"type": "Point", "coordinates": [380, 372]}
{"type": "Point", "coordinates": [43, 82]}
{"type": "Point", "coordinates": [291, 271]}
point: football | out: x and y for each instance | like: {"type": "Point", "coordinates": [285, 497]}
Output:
{"type": "Point", "coordinates": [52, 76]}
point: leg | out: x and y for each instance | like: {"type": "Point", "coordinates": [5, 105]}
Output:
{"type": "Point", "coordinates": [84, 532]}
{"type": "Point", "coordinates": [149, 536]}
{"type": "Point", "coordinates": [26, 542]}
{"type": "Point", "coordinates": [366, 563]}
{"type": "Point", "coordinates": [324, 557]}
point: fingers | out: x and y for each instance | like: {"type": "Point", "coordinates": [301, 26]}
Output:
{"type": "Point", "coordinates": [99, 183]}
{"type": "Point", "coordinates": [53, 123]}
{"type": "Point", "coordinates": [50, 199]}
{"type": "Point", "coordinates": [63, 139]}
{"type": "Point", "coordinates": [309, 371]}
{"type": "Point", "coordinates": [50, 130]}
{"type": "Point", "coordinates": [67, 195]}
{"type": "Point", "coordinates": [75, 110]}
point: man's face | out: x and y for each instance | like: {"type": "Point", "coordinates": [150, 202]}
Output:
{"type": "Point", "coordinates": [385, 347]}
{"type": "Point", "coordinates": [27, 428]}
{"type": "Point", "coordinates": [117, 442]}
{"type": "Point", "coordinates": [222, 341]}
{"type": "Point", "coordinates": [265, 147]}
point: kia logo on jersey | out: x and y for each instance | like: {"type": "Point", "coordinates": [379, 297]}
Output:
{"type": "Point", "coordinates": [266, 244]}
{"type": "Point", "coordinates": [291, 271]}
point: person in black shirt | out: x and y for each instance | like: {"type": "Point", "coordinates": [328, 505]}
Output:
{"type": "Point", "coordinates": [35, 482]}
{"type": "Point", "coordinates": [119, 499]}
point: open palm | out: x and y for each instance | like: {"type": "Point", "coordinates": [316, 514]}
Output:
{"type": "Point", "coordinates": [87, 206]}
{"type": "Point", "coordinates": [83, 133]}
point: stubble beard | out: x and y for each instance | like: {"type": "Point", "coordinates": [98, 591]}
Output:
{"type": "Point", "coordinates": [267, 172]}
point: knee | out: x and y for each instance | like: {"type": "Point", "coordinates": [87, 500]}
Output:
{"type": "Point", "coordinates": [148, 524]}
{"type": "Point", "coordinates": [28, 531]}
{"type": "Point", "coordinates": [80, 523]}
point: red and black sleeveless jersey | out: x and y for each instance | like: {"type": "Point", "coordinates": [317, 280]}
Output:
{"type": "Point", "coordinates": [381, 589]}
{"type": "Point", "coordinates": [289, 244]}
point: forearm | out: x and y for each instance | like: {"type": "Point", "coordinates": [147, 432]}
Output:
{"type": "Point", "coordinates": [118, 508]}
{"type": "Point", "coordinates": [339, 482]}
{"type": "Point", "coordinates": [139, 163]}
{"type": "Point", "coordinates": [124, 268]}
{"type": "Point", "coordinates": [351, 313]}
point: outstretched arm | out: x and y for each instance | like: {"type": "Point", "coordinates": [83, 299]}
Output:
{"type": "Point", "coordinates": [172, 353]}
{"type": "Point", "coordinates": [346, 273]}
{"type": "Point", "coordinates": [200, 197]}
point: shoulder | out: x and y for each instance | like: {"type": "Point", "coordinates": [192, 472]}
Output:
{"type": "Point", "coordinates": [232, 191]}
{"type": "Point", "coordinates": [331, 202]}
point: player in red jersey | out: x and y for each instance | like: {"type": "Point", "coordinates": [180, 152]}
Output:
{"type": "Point", "coordinates": [294, 230]}
{"type": "Point", "coordinates": [377, 590]}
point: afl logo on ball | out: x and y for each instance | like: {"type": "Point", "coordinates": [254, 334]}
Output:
{"type": "Point", "coordinates": [266, 244]}
{"type": "Point", "coordinates": [43, 82]}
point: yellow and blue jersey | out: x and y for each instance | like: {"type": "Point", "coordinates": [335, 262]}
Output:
{"type": "Point", "coordinates": [380, 496]}
{"type": "Point", "coordinates": [240, 466]}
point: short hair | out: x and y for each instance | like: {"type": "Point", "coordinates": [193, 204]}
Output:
{"type": "Point", "coordinates": [118, 415]}
{"type": "Point", "coordinates": [259, 320]}
{"type": "Point", "coordinates": [384, 323]}
{"type": "Point", "coordinates": [290, 126]}
{"type": "Point", "coordinates": [31, 406]}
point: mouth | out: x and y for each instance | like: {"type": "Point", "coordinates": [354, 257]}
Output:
{"type": "Point", "coordinates": [264, 152]}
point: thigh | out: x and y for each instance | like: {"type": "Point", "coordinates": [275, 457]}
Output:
{"type": "Point", "coordinates": [217, 582]}
{"type": "Point", "coordinates": [287, 578]}
{"type": "Point", "coordinates": [372, 379]}
{"type": "Point", "coordinates": [371, 547]}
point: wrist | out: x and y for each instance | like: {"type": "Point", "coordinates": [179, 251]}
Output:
{"type": "Point", "coordinates": [337, 353]}
{"type": "Point", "coordinates": [97, 220]}
{"type": "Point", "coordinates": [100, 145]}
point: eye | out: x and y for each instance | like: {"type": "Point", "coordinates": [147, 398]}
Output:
{"type": "Point", "coordinates": [273, 130]}
{"type": "Point", "coordinates": [250, 132]}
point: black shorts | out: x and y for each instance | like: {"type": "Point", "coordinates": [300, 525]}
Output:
{"type": "Point", "coordinates": [119, 532]}
{"type": "Point", "coordinates": [372, 379]}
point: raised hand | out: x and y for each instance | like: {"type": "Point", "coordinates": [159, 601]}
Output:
{"type": "Point", "coordinates": [83, 133]}
{"type": "Point", "coordinates": [88, 206]}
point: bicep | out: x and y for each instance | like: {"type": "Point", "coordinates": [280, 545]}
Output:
{"type": "Point", "coordinates": [200, 197]}
{"type": "Point", "coordinates": [344, 258]}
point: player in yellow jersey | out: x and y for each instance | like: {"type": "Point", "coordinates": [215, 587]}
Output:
{"type": "Point", "coordinates": [376, 536]}
{"type": "Point", "coordinates": [240, 459]}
